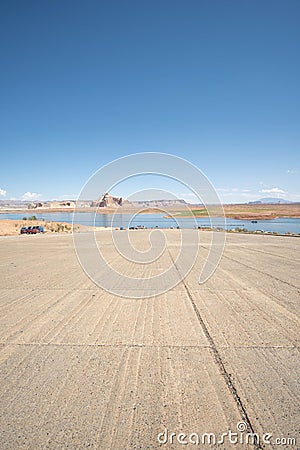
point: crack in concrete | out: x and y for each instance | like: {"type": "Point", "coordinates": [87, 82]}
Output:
{"type": "Point", "coordinates": [221, 347]}
{"type": "Point", "coordinates": [227, 378]}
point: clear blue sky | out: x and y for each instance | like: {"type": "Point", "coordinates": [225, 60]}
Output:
{"type": "Point", "coordinates": [215, 82]}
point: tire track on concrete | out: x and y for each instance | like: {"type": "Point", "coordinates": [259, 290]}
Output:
{"type": "Point", "coordinates": [218, 359]}
{"type": "Point", "coordinates": [261, 271]}
{"type": "Point", "coordinates": [239, 262]}
{"type": "Point", "coordinates": [256, 250]}
{"type": "Point", "coordinates": [14, 302]}
{"type": "Point", "coordinates": [136, 361]}
{"type": "Point", "coordinates": [273, 322]}
{"type": "Point", "coordinates": [111, 415]}
{"type": "Point", "coordinates": [26, 321]}
{"type": "Point", "coordinates": [244, 288]}
{"type": "Point", "coordinates": [20, 373]}
{"type": "Point", "coordinates": [101, 323]}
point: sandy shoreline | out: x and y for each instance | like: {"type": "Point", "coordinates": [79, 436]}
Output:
{"type": "Point", "coordinates": [11, 227]}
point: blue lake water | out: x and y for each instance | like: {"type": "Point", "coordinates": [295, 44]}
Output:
{"type": "Point", "coordinates": [158, 220]}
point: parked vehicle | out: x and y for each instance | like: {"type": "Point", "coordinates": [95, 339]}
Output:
{"type": "Point", "coordinates": [32, 230]}
{"type": "Point", "coordinates": [36, 229]}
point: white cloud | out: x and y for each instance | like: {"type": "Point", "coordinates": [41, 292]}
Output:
{"type": "Point", "coordinates": [30, 196]}
{"type": "Point", "coordinates": [2, 192]}
{"type": "Point", "coordinates": [274, 190]}
{"type": "Point", "coordinates": [292, 171]}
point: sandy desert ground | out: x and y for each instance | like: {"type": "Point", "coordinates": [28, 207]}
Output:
{"type": "Point", "coordinates": [82, 368]}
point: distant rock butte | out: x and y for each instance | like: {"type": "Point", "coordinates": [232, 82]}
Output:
{"type": "Point", "coordinates": [107, 201]}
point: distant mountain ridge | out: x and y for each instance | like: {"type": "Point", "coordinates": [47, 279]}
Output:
{"type": "Point", "coordinates": [269, 201]}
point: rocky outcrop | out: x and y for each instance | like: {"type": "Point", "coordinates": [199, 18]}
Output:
{"type": "Point", "coordinates": [52, 205]}
{"type": "Point", "coordinates": [107, 201]}
{"type": "Point", "coordinates": [62, 204]}
{"type": "Point", "coordinates": [36, 205]}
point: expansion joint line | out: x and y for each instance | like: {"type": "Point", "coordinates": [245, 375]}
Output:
{"type": "Point", "coordinates": [229, 383]}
